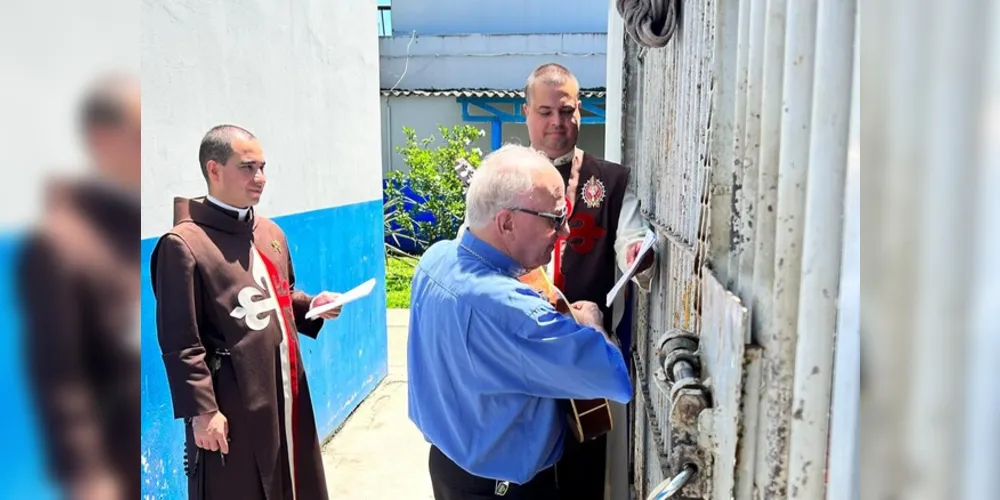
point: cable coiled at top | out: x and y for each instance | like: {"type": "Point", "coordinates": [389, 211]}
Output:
{"type": "Point", "coordinates": [650, 23]}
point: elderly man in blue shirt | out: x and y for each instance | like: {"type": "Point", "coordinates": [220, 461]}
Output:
{"type": "Point", "coordinates": [489, 357]}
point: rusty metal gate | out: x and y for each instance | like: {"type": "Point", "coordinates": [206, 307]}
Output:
{"type": "Point", "coordinates": [742, 174]}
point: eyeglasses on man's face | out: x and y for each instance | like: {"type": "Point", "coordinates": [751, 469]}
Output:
{"type": "Point", "coordinates": [555, 219]}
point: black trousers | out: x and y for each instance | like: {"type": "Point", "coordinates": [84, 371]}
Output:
{"type": "Point", "coordinates": [451, 482]}
{"type": "Point", "coordinates": [581, 470]}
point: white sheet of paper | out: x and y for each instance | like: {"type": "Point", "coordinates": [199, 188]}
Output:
{"type": "Point", "coordinates": [344, 298]}
{"type": "Point", "coordinates": [647, 245]}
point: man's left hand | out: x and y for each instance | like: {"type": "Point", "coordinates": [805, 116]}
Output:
{"type": "Point", "coordinates": [633, 252]}
{"type": "Point", "coordinates": [326, 298]}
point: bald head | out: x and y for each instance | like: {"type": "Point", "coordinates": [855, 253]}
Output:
{"type": "Point", "coordinates": [550, 74]}
{"type": "Point", "coordinates": [217, 145]}
{"type": "Point", "coordinates": [507, 178]}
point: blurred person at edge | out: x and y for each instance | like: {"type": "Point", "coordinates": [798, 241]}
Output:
{"type": "Point", "coordinates": [227, 314]}
{"type": "Point", "coordinates": [83, 259]}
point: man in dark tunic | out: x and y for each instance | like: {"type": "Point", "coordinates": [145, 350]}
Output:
{"type": "Point", "coordinates": [78, 281]}
{"type": "Point", "coordinates": [606, 231]}
{"type": "Point", "coordinates": [227, 317]}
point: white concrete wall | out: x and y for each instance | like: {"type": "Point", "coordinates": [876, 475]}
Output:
{"type": "Point", "coordinates": [487, 61]}
{"type": "Point", "coordinates": [434, 17]}
{"type": "Point", "coordinates": [301, 74]}
{"type": "Point", "coordinates": [424, 114]}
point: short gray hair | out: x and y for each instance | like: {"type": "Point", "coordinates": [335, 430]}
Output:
{"type": "Point", "coordinates": [503, 180]}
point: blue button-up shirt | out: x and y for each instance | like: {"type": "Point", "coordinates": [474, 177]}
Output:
{"type": "Point", "coordinates": [488, 358]}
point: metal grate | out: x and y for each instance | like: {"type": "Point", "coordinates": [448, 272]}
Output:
{"type": "Point", "coordinates": [671, 161]}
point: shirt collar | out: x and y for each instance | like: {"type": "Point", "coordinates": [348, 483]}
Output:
{"type": "Point", "coordinates": [241, 213]}
{"type": "Point", "coordinates": [490, 255]}
{"type": "Point", "coordinates": [565, 159]}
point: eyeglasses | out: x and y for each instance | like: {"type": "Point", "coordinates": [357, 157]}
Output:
{"type": "Point", "coordinates": [557, 220]}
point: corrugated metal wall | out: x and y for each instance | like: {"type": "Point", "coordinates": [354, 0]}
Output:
{"type": "Point", "coordinates": [740, 158]}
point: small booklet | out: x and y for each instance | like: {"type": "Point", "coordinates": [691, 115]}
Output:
{"type": "Point", "coordinates": [647, 246]}
{"type": "Point", "coordinates": [355, 293]}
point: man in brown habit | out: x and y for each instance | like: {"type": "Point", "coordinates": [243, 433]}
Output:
{"type": "Point", "coordinates": [83, 358]}
{"type": "Point", "coordinates": [227, 317]}
{"type": "Point", "coordinates": [606, 231]}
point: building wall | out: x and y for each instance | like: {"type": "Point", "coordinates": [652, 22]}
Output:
{"type": "Point", "coordinates": [439, 17]}
{"type": "Point", "coordinates": [424, 114]}
{"type": "Point", "coordinates": [303, 76]}
{"type": "Point", "coordinates": [486, 61]}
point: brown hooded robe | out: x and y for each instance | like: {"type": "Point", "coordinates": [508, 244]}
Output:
{"type": "Point", "coordinates": [227, 317]}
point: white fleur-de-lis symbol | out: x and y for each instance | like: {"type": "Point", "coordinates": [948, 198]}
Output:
{"type": "Point", "coordinates": [251, 310]}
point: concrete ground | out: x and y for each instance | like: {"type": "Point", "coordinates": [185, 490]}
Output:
{"type": "Point", "coordinates": [379, 453]}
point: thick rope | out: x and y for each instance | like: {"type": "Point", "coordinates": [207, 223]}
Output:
{"type": "Point", "coordinates": [650, 23]}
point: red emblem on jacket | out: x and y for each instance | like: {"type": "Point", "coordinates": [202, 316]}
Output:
{"type": "Point", "coordinates": [584, 233]}
{"type": "Point", "coordinates": [593, 192]}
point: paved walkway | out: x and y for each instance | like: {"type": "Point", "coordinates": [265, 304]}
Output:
{"type": "Point", "coordinates": [378, 453]}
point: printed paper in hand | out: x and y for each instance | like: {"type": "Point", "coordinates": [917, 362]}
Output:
{"type": "Point", "coordinates": [350, 296]}
{"type": "Point", "coordinates": [647, 245]}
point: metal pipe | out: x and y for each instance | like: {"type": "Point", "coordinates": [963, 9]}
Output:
{"type": "Point", "coordinates": [739, 127]}
{"type": "Point", "coordinates": [822, 245]}
{"type": "Point", "coordinates": [672, 486]}
{"type": "Point", "coordinates": [844, 480]}
{"type": "Point", "coordinates": [792, 179]}
{"type": "Point", "coordinates": [762, 298]}
{"type": "Point", "coordinates": [747, 194]}
{"type": "Point", "coordinates": [767, 167]}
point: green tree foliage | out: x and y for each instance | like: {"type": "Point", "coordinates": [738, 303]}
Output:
{"type": "Point", "coordinates": [432, 179]}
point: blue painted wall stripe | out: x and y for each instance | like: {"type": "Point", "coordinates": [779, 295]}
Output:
{"type": "Point", "coordinates": [332, 249]}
